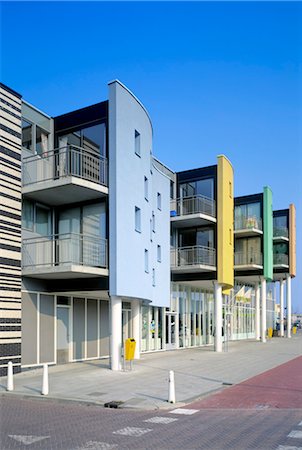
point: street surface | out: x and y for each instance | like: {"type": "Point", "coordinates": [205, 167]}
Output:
{"type": "Point", "coordinates": [264, 412]}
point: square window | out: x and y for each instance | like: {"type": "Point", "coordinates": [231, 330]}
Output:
{"type": "Point", "coordinates": [137, 138]}
{"type": "Point", "coordinates": [146, 261]}
{"type": "Point", "coordinates": [137, 219]}
{"type": "Point", "coordinates": [159, 253]}
{"type": "Point", "coordinates": [159, 201]}
{"type": "Point", "coordinates": [146, 188]}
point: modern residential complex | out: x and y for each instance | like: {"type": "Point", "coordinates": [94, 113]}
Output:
{"type": "Point", "coordinates": [100, 241]}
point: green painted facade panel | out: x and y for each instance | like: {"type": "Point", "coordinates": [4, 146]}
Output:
{"type": "Point", "coordinates": [267, 233]}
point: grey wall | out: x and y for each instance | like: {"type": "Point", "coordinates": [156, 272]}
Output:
{"type": "Point", "coordinates": [29, 328]}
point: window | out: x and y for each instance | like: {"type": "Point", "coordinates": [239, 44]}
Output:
{"type": "Point", "coordinates": [146, 261]}
{"type": "Point", "coordinates": [153, 222]}
{"type": "Point", "coordinates": [159, 253]}
{"type": "Point", "coordinates": [203, 187]}
{"type": "Point", "coordinates": [171, 189]}
{"type": "Point", "coordinates": [137, 138]}
{"type": "Point", "coordinates": [27, 215]}
{"type": "Point", "coordinates": [153, 277]}
{"type": "Point", "coordinates": [27, 141]}
{"type": "Point", "coordinates": [43, 220]}
{"type": "Point", "coordinates": [41, 141]}
{"type": "Point", "coordinates": [137, 219]}
{"type": "Point", "coordinates": [159, 201]}
{"type": "Point", "coordinates": [146, 188]}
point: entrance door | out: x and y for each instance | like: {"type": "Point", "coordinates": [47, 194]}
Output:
{"type": "Point", "coordinates": [170, 331]}
{"type": "Point", "coordinates": [63, 336]}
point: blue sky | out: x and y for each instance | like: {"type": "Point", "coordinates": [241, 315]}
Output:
{"type": "Point", "coordinates": [215, 78]}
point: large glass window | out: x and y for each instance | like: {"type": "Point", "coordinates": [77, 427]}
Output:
{"type": "Point", "coordinates": [43, 220]}
{"type": "Point", "coordinates": [203, 187]}
{"type": "Point", "coordinates": [91, 138]}
{"type": "Point", "coordinates": [27, 141]}
{"type": "Point", "coordinates": [27, 215]}
{"type": "Point", "coordinates": [248, 216]}
{"type": "Point", "coordinates": [196, 236]}
{"type": "Point", "coordinates": [41, 141]}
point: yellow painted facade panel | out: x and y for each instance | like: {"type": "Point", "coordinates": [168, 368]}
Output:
{"type": "Point", "coordinates": [225, 223]}
{"type": "Point", "coordinates": [292, 240]}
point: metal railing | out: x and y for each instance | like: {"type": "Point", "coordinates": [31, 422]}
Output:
{"type": "Point", "coordinates": [280, 232]}
{"type": "Point", "coordinates": [246, 223]}
{"type": "Point", "coordinates": [63, 162]}
{"type": "Point", "coordinates": [247, 258]}
{"type": "Point", "coordinates": [280, 258]}
{"type": "Point", "coordinates": [194, 205]}
{"type": "Point", "coordinates": [190, 256]}
{"type": "Point", "coordinates": [64, 249]}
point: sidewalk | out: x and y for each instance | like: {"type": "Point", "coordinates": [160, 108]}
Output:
{"type": "Point", "coordinates": [198, 372]}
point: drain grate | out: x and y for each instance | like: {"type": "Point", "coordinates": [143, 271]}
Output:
{"type": "Point", "coordinates": [113, 404]}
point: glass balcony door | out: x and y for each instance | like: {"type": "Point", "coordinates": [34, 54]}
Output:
{"type": "Point", "coordinates": [69, 239]}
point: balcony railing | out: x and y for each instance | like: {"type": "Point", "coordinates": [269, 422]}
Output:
{"type": "Point", "coordinates": [64, 162]}
{"type": "Point", "coordinates": [281, 232]}
{"type": "Point", "coordinates": [197, 204]}
{"type": "Point", "coordinates": [247, 223]}
{"type": "Point", "coordinates": [280, 259]}
{"type": "Point", "coordinates": [64, 249]}
{"type": "Point", "coordinates": [248, 258]}
{"type": "Point", "coordinates": [190, 256]}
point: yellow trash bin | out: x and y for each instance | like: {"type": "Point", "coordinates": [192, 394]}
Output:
{"type": "Point", "coordinates": [130, 345]}
{"type": "Point", "coordinates": [270, 332]}
{"type": "Point", "coordinates": [294, 330]}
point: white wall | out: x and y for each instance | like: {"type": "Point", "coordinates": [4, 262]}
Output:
{"type": "Point", "coordinates": [126, 190]}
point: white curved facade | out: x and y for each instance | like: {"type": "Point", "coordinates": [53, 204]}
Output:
{"type": "Point", "coordinates": [139, 254]}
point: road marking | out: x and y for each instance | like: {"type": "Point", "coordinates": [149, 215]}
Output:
{"type": "Point", "coordinates": [27, 440]}
{"type": "Point", "coordinates": [133, 431]}
{"type": "Point", "coordinates": [295, 434]}
{"type": "Point", "coordinates": [184, 411]}
{"type": "Point", "coordinates": [160, 420]}
{"type": "Point", "coordinates": [288, 447]}
{"type": "Point", "coordinates": [96, 445]}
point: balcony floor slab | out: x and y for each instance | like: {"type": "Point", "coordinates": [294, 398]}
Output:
{"type": "Point", "coordinates": [248, 232]}
{"type": "Point", "coordinates": [193, 268]}
{"type": "Point", "coordinates": [248, 267]}
{"type": "Point", "coordinates": [64, 190]}
{"type": "Point", "coordinates": [64, 271]}
{"type": "Point", "coordinates": [192, 220]}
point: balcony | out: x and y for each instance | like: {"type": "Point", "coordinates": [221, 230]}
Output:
{"type": "Point", "coordinates": [248, 261]}
{"type": "Point", "coordinates": [280, 261]}
{"type": "Point", "coordinates": [193, 259]}
{"type": "Point", "coordinates": [248, 226]}
{"type": "Point", "coordinates": [67, 255]}
{"type": "Point", "coordinates": [280, 234]}
{"type": "Point", "coordinates": [65, 175]}
{"type": "Point", "coordinates": [193, 211]}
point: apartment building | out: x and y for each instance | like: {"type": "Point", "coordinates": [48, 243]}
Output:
{"type": "Point", "coordinates": [111, 243]}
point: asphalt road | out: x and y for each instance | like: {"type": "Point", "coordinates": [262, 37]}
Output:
{"type": "Point", "coordinates": [264, 412]}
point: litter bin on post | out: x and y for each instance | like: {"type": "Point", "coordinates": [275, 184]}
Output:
{"type": "Point", "coordinates": [130, 345]}
{"type": "Point", "coordinates": [270, 333]}
{"type": "Point", "coordinates": [294, 330]}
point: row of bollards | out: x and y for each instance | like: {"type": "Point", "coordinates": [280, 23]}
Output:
{"type": "Point", "coordinates": [45, 386]}
{"type": "Point", "coordinates": [10, 379]}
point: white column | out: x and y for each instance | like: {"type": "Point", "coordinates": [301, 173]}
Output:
{"type": "Point", "coordinates": [218, 317]}
{"type": "Point", "coordinates": [282, 308]}
{"type": "Point", "coordinates": [177, 321]}
{"type": "Point", "coordinates": [288, 305]}
{"type": "Point", "coordinates": [135, 310]}
{"type": "Point", "coordinates": [116, 333]}
{"type": "Point", "coordinates": [257, 312]}
{"type": "Point", "coordinates": [263, 309]}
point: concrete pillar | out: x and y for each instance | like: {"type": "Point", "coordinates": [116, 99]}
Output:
{"type": "Point", "coordinates": [288, 305]}
{"type": "Point", "coordinates": [263, 309]}
{"type": "Point", "coordinates": [218, 317]}
{"type": "Point", "coordinates": [136, 334]}
{"type": "Point", "coordinates": [257, 312]}
{"type": "Point", "coordinates": [116, 333]}
{"type": "Point", "coordinates": [282, 308]}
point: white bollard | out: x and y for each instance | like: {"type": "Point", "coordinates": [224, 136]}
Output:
{"type": "Point", "coordinates": [10, 380]}
{"type": "Point", "coordinates": [45, 380]}
{"type": "Point", "coordinates": [171, 387]}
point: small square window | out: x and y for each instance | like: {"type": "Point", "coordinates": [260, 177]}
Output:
{"type": "Point", "coordinates": [159, 201]}
{"type": "Point", "coordinates": [137, 219]}
{"type": "Point", "coordinates": [146, 261]}
{"type": "Point", "coordinates": [137, 138]}
{"type": "Point", "coordinates": [146, 188]}
{"type": "Point", "coordinates": [159, 253]}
